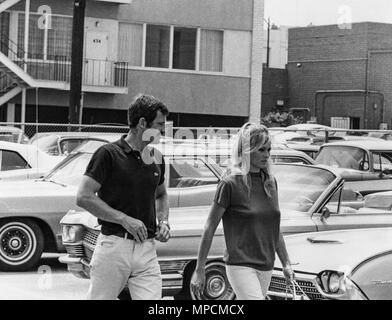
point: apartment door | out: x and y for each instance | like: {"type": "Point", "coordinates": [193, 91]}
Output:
{"type": "Point", "coordinates": [97, 68]}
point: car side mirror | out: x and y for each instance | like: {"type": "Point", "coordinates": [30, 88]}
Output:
{"type": "Point", "coordinates": [325, 213]}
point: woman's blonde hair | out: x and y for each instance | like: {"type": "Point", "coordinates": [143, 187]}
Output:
{"type": "Point", "coordinates": [249, 137]}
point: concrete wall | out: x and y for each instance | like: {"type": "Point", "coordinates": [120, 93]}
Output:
{"type": "Point", "coordinates": [191, 93]}
{"type": "Point", "coordinates": [233, 14]}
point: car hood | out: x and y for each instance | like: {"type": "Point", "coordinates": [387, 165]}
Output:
{"type": "Point", "coordinates": [35, 196]}
{"type": "Point", "coordinates": [190, 221]}
{"type": "Point", "coordinates": [335, 250]}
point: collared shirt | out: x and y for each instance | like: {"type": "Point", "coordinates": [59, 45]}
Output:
{"type": "Point", "coordinates": [128, 183]}
{"type": "Point", "coordinates": [251, 222]}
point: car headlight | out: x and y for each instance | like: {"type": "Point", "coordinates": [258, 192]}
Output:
{"type": "Point", "coordinates": [72, 233]}
{"type": "Point", "coordinates": [337, 285]}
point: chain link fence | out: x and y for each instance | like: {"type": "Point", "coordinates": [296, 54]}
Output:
{"type": "Point", "coordinates": [202, 134]}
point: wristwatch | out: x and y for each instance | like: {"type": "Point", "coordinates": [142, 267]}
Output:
{"type": "Point", "coordinates": [165, 222]}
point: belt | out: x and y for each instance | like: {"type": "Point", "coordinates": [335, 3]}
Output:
{"type": "Point", "coordinates": [124, 234]}
{"type": "Point", "coordinates": [121, 234]}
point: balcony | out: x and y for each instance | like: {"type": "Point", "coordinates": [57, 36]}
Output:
{"type": "Point", "coordinates": [98, 75]}
{"type": "Point", "coordinates": [55, 71]}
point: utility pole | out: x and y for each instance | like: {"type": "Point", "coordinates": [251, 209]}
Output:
{"type": "Point", "coordinates": [75, 95]}
{"type": "Point", "coordinates": [268, 41]}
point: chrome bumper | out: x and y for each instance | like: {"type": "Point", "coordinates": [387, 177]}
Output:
{"type": "Point", "coordinates": [79, 267]}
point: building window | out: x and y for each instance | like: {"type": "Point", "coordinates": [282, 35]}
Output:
{"type": "Point", "coordinates": [157, 46]}
{"type": "Point", "coordinates": [36, 37]}
{"type": "Point", "coordinates": [4, 31]}
{"type": "Point", "coordinates": [60, 39]}
{"type": "Point", "coordinates": [184, 48]}
{"type": "Point", "coordinates": [47, 43]}
{"type": "Point", "coordinates": [211, 50]}
{"type": "Point", "coordinates": [170, 47]}
{"type": "Point", "coordinates": [130, 43]}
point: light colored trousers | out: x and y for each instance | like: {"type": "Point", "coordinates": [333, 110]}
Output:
{"type": "Point", "coordinates": [248, 283]}
{"type": "Point", "coordinates": [118, 262]}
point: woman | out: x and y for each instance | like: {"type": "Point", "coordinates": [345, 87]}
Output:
{"type": "Point", "coordinates": [247, 201]}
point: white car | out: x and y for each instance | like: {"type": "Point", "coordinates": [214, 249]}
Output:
{"type": "Point", "coordinates": [24, 161]}
{"type": "Point", "coordinates": [13, 134]}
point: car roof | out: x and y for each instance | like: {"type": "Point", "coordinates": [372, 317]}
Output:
{"type": "Point", "coordinates": [292, 153]}
{"type": "Point", "coordinates": [10, 129]}
{"type": "Point", "coordinates": [307, 126]}
{"type": "Point", "coordinates": [364, 144]}
{"type": "Point", "coordinates": [75, 134]}
{"type": "Point", "coordinates": [303, 146]}
{"type": "Point", "coordinates": [15, 146]}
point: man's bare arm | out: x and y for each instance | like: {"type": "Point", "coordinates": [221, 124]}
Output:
{"type": "Point", "coordinates": [162, 203]}
{"type": "Point", "coordinates": [87, 199]}
{"type": "Point", "coordinates": [162, 207]}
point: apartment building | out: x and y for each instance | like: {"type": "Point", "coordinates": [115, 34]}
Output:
{"type": "Point", "coordinates": [202, 58]}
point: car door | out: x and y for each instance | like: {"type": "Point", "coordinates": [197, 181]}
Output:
{"type": "Point", "coordinates": [194, 179]}
{"type": "Point", "coordinates": [296, 222]}
{"type": "Point", "coordinates": [349, 216]}
{"type": "Point", "coordinates": [378, 181]}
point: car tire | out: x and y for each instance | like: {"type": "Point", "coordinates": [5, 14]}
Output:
{"type": "Point", "coordinates": [21, 244]}
{"type": "Point", "coordinates": [217, 286]}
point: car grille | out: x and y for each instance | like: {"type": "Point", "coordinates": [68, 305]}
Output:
{"type": "Point", "coordinates": [89, 242]}
{"type": "Point", "coordinates": [172, 266]}
{"type": "Point", "coordinates": [278, 284]}
{"type": "Point", "coordinates": [75, 251]}
{"type": "Point", "coordinates": [90, 238]}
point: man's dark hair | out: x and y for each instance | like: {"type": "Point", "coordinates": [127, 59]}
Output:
{"type": "Point", "coordinates": [147, 107]}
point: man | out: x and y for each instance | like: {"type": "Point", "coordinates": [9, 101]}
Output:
{"type": "Point", "coordinates": [129, 198]}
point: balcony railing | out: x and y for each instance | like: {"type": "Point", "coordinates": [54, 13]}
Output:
{"type": "Point", "coordinates": [95, 72]}
{"type": "Point", "coordinates": [58, 68]}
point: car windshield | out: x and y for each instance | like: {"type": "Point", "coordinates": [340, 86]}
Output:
{"type": "Point", "coordinates": [72, 171]}
{"type": "Point", "coordinates": [48, 144]}
{"type": "Point", "coordinates": [344, 157]}
{"type": "Point", "coordinates": [299, 187]}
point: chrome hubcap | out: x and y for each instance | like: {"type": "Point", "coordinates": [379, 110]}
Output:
{"type": "Point", "coordinates": [216, 286]}
{"type": "Point", "coordinates": [17, 243]}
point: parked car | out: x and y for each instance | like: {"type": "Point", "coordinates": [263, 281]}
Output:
{"type": "Point", "coordinates": [380, 135]}
{"type": "Point", "coordinates": [339, 265]}
{"type": "Point", "coordinates": [281, 155]}
{"type": "Point", "coordinates": [13, 134]}
{"type": "Point", "coordinates": [23, 161]}
{"type": "Point", "coordinates": [290, 156]}
{"type": "Point", "coordinates": [308, 127]}
{"type": "Point", "coordinates": [365, 165]}
{"type": "Point", "coordinates": [31, 210]}
{"type": "Point", "coordinates": [311, 199]}
{"type": "Point", "coordinates": [313, 140]}
{"type": "Point", "coordinates": [310, 149]}
{"type": "Point", "coordinates": [63, 143]}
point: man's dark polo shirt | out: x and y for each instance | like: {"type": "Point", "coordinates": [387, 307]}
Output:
{"type": "Point", "coordinates": [128, 183]}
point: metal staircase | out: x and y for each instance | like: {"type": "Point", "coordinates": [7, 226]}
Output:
{"type": "Point", "coordinates": [13, 78]}
{"type": "Point", "coordinates": [6, 4]}
{"type": "Point", "coordinates": [19, 71]}
{"type": "Point", "coordinates": [8, 88]}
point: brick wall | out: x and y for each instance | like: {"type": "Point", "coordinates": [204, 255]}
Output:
{"type": "Point", "coordinates": [275, 87]}
{"type": "Point", "coordinates": [329, 58]}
